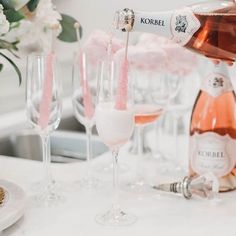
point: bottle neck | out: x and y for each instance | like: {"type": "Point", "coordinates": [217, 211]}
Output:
{"type": "Point", "coordinates": [159, 23]}
{"type": "Point", "coordinates": [177, 25]}
{"type": "Point", "coordinates": [218, 82]}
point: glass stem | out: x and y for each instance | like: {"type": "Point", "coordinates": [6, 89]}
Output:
{"type": "Point", "coordinates": [175, 124]}
{"type": "Point", "coordinates": [115, 178]}
{"type": "Point", "coordinates": [47, 158]}
{"type": "Point", "coordinates": [159, 135]}
{"type": "Point", "coordinates": [140, 134]}
{"type": "Point", "coordinates": [89, 149]}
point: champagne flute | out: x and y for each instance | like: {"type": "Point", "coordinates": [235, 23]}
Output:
{"type": "Point", "coordinates": [84, 95]}
{"type": "Point", "coordinates": [44, 107]}
{"type": "Point", "coordinates": [115, 127]}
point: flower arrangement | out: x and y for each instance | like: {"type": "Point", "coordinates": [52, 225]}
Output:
{"type": "Point", "coordinates": [26, 26]}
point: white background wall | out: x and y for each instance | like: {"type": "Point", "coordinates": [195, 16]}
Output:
{"type": "Point", "coordinates": [98, 14]}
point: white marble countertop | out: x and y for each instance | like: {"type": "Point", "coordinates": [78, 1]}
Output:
{"type": "Point", "coordinates": [157, 214]}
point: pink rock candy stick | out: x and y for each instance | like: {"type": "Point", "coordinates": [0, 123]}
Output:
{"type": "Point", "coordinates": [87, 97]}
{"type": "Point", "coordinates": [44, 110]}
{"type": "Point", "coordinates": [121, 98]}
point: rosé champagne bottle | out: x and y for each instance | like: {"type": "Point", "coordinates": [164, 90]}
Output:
{"type": "Point", "coordinates": [206, 28]}
{"type": "Point", "coordinates": [213, 129]}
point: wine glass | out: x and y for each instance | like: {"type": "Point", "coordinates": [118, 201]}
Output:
{"type": "Point", "coordinates": [173, 84]}
{"type": "Point", "coordinates": [115, 122]}
{"type": "Point", "coordinates": [44, 107]}
{"type": "Point", "coordinates": [151, 95]}
{"type": "Point", "coordinates": [84, 96]}
{"type": "Point", "coordinates": [179, 107]}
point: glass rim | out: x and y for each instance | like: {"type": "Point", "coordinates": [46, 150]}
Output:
{"type": "Point", "coordinates": [40, 54]}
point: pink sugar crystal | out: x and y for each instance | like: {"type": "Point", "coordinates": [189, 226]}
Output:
{"type": "Point", "coordinates": [144, 59]}
{"type": "Point", "coordinates": [88, 104]}
{"type": "Point", "coordinates": [87, 97]}
{"type": "Point", "coordinates": [121, 98]}
{"type": "Point", "coordinates": [96, 46]}
{"type": "Point", "coordinates": [44, 110]}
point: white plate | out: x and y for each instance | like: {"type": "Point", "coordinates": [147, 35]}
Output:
{"type": "Point", "coordinates": [14, 204]}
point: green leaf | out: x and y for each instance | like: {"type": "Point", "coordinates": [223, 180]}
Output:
{"type": "Point", "coordinates": [13, 16]}
{"type": "Point", "coordinates": [6, 4]}
{"type": "Point", "coordinates": [32, 5]}
{"type": "Point", "coordinates": [1, 67]}
{"type": "Point", "coordinates": [68, 33]}
{"type": "Point", "coordinates": [14, 4]}
{"type": "Point", "coordinates": [14, 66]}
{"type": "Point", "coordinates": [14, 45]}
{"type": "Point", "coordinates": [4, 44]}
{"type": "Point", "coordinates": [10, 46]}
{"type": "Point", "coordinates": [14, 25]}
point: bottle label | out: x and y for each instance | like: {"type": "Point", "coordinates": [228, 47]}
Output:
{"type": "Point", "coordinates": [184, 24]}
{"type": "Point", "coordinates": [210, 152]}
{"type": "Point", "coordinates": [179, 25]}
{"type": "Point", "coordinates": [216, 84]}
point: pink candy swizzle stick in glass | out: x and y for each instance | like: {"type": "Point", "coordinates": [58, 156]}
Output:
{"type": "Point", "coordinates": [84, 94]}
{"type": "Point", "coordinates": [121, 97]}
{"type": "Point", "coordinates": [44, 112]}
{"type": "Point", "coordinates": [122, 86]}
{"type": "Point", "coordinates": [115, 121]}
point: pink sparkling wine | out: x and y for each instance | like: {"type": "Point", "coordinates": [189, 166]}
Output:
{"type": "Point", "coordinates": [213, 129]}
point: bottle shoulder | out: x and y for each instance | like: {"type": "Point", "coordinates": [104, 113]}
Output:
{"type": "Point", "coordinates": [222, 6]}
{"type": "Point", "coordinates": [205, 99]}
{"type": "Point", "coordinates": [207, 105]}
{"type": "Point", "coordinates": [214, 114]}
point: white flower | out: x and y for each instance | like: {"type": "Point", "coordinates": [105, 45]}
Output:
{"type": "Point", "coordinates": [4, 24]}
{"type": "Point", "coordinates": [33, 37]}
{"type": "Point", "coordinates": [47, 15]}
{"type": "Point", "coordinates": [19, 4]}
{"type": "Point", "coordinates": [36, 34]}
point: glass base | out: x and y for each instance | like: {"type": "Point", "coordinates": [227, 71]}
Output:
{"type": "Point", "coordinates": [115, 217]}
{"type": "Point", "coordinates": [179, 170]}
{"type": "Point", "coordinates": [163, 164]}
{"type": "Point", "coordinates": [49, 197]}
{"type": "Point", "coordinates": [134, 150]}
{"type": "Point", "coordinates": [108, 168]}
{"type": "Point", "coordinates": [89, 183]}
{"type": "Point", "coordinates": [138, 186]}
{"type": "Point", "coordinates": [39, 187]}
